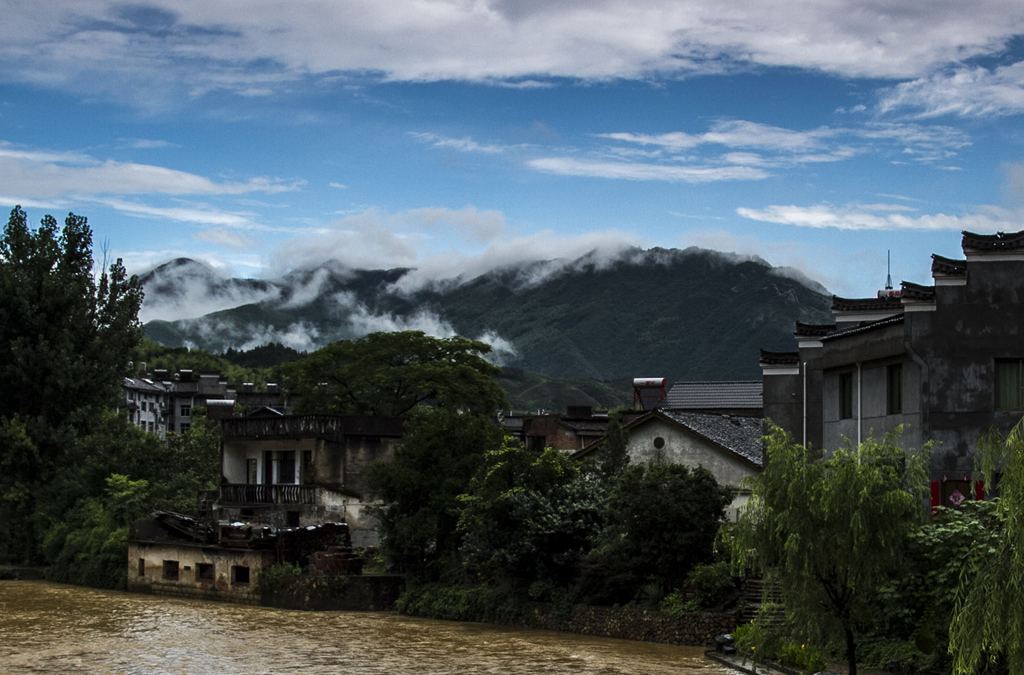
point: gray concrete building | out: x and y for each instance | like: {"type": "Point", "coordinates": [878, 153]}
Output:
{"type": "Point", "coordinates": [945, 360]}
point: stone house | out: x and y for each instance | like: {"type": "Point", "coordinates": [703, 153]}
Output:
{"type": "Point", "coordinates": [727, 446]}
{"type": "Point", "coordinates": [946, 361]}
{"type": "Point", "coordinates": [296, 470]}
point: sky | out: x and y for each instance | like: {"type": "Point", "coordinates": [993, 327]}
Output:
{"type": "Point", "coordinates": [456, 136]}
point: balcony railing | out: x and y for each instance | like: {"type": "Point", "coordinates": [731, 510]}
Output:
{"type": "Point", "coordinates": [330, 427]}
{"type": "Point", "coordinates": [236, 494]}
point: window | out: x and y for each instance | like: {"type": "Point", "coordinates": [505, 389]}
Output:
{"type": "Point", "coordinates": [292, 518]}
{"type": "Point", "coordinates": [142, 567]}
{"type": "Point", "coordinates": [250, 471]}
{"type": "Point", "coordinates": [171, 570]}
{"type": "Point", "coordinates": [1009, 384]}
{"type": "Point", "coordinates": [239, 574]}
{"type": "Point", "coordinates": [204, 571]}
{"type": "Point", "coordinates": [894, 389]}
{"type": "Point", "coordinates": [186, 411]}
{"type": "Point", "coordinates": [845, 395]}
{"type": "Point", "coordinates": [659, 442]}
{"type": "Point", "coordinates": [307, 467]}
{"type": "Point", "coordinates": [286, 467]}
{"type": "Point", "coordinates": [185, 427]}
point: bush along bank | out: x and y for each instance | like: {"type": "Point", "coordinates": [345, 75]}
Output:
{"type": "Point", "coordinates": [493, 605]}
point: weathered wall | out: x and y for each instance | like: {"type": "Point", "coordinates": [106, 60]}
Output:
{"type": "Point", "coordinates": [188, 583]}
{"type": "Point", "coordinates": [350, 593]}
{"type": "Point", "coordinates": [689, 449]}
{"type": "Point", "coordinates": [782, 403]}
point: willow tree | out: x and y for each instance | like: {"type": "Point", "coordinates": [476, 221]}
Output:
{"type": "Point", "coordinates": [833, 529]}
{"type": "Point", "coordinates": [988, 615]}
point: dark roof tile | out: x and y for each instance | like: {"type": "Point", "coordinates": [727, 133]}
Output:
{"type": "Point", "coordinates": [779, 358]}
{"type": "Point", "coordinates": [1000, 241]}
{"type": "Point", "coordinates": [917, 292]}
{"type": "Point", "coordinates": [865, 327]}
{"type": "Point", "coordinates": [864, 304]}
{"type": "Point", "coordinates": [948, 266]}
{"type": "Point", "coordinates": [740, 435]}
{"type": "Point", "coordinates": [709, 395]}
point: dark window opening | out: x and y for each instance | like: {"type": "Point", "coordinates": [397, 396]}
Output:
{"type": "Point", "coordinates": [246, 513]}
{"type": "Point", "coordinates": [894, 389]}
{"type": "Point", "coordinates": [1009, 384]}
{"type": "Point", "coordinates": [845, 395]}
{"type": "Point", "coordinates": [142, 567]}
{"type": "Point", "coordinates": [307, 467]}
{"type": "Point", "coordinates": [659, 442]}
{"type": "Point", "coordinates": [239, 574]}
{"type": "Point", "coordinates": [171, 570]}
{"type": "Point", "coordinates": [250, 471]}
{"type": "Point", "coordinates": [293, 518]}
{"type": "Point", "coordinates": [286, 467]}
{"type": "Point", "coordinates": [204, 571]}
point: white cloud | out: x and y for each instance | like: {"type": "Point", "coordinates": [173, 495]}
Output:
{"type": "Point", "coordinates": [169, 49]}
{"type": "Point", "coordinates": [963, 92]}
{"type": "Point", "coordinates": [148, 143]}
{"type": "Point", "coordinates": [337, 186]}
{"type": "Point", "coordinates": [45, 175]}
{"type": "Point", "coordinates": [779, 147]}
{"type": "Point", "coordinates": [463, 144]}
{"type": "Point", "coordinates": [857, 217]}
{"type": "Point", "coordinates": [223, 237]}
{"type": "Point", "coordinates": [568, 166]}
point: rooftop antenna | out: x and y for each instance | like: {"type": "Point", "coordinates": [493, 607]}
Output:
{"type": "Point", "coordinates": [888, 270]}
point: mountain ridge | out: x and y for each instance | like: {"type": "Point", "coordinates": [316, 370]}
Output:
{"type": "Point", "coordinates": [686, 314]}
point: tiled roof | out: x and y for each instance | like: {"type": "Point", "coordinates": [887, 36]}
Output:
{"type": "Point", "coordinates": [141, 384]}
{"type": "Point", "coordinates": [912, 291]}
{"type": "Point", "coordinates": [740, 435]}
{"type": "Point", "coordinates": [865, 327]}
{"type": "Point", "coordinates": [864, 304]}
{"type": "Point", "coordinates": [1000, 241]}
{"type": "Point", "coordinates": [948, 266]}
{"type": "Point", "coordinates": [779, 358]}
{"type": "Point", "coordinates": [710, 395]}
{"type": "Point", "coordinates": [813, 329]}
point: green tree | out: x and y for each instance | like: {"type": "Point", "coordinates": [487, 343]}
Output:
{"type": "Point", "coordinates": [528, 518]}
{"type": "Point", "coordinates": [661, 520]}
{"type": "Point", "coordinates": [420, 488]}
{"type": "Point", "coordinates": [393, 373]}
{"type": "Point", "coordinates": [988, 618]}
{"type": "Point", "coordinates": [835, 529]}
{"type": "Point", "coordinates": [65, 337]}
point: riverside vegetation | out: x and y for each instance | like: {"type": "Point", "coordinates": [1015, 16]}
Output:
{"type": "Point", "coordinates": [484, 528]}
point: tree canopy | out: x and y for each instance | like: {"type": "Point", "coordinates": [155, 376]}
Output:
{"type": "Point", "coordinates": [835, 529]}
{"type": "Point", "coordinates": [65, 341]}
{"type": "Point", "coordinates": [988, 617]}
{"type": "Point", "coordinates": [392, 373]}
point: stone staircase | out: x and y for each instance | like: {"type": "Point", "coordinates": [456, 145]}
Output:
{"type": "Point", "coordinates": [761, 600]}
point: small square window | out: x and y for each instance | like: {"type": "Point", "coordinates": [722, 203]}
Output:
{"type": "Point", "coordinates": [204, 571]}
{"type": "Point", "coordinates": [239, 575]}
{"type": "Point", "coordinates": [171, 570]}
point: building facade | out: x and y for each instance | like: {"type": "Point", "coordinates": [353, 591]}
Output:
{"type": "Point", "coordinates": [945, 361]}
{"type": "Point", "coordinates": [298, 470]}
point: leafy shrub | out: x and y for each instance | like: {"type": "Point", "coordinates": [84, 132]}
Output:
{"type": "Point", "coordinates": [463, 603]}
{"type": "Point", "coordinates": [751, 640]}
{"type": "Point", "coordinates": [677, 606]}
{"type": "Point", "coordinates": [802, 656]}
{"type": "Point", "coordinates": [278, 580]}
{"type": "Point", "coordinates": [712, 584]}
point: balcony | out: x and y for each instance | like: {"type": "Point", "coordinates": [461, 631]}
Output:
{"type": "Point", "coordinates": [255, 495]}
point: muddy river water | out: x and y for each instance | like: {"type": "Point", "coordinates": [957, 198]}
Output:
{"type": "Point", "coordinates": [48, 627]}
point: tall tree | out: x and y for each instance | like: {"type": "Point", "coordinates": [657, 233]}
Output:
{"type": "Point", "coordinates": [65, 339]}
{"type": "Point", "coordinates": [835, 529]}
{"type": "Point", "coordinates": [392, 373]}
{"type": "Point", "coordinates": [420, 488]}
{"type": "Point", "coordinates": [988, 617]}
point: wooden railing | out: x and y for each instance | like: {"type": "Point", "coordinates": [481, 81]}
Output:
{"type": "Point", "coordinates": [236, 494]}
{"type": "Point", "coordinates": [331, 427]}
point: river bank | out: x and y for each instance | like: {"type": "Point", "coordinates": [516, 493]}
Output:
{"type": "Point", "coordinates": [629, 623]}
{"type": "Point", "coordinates": [57, 628]}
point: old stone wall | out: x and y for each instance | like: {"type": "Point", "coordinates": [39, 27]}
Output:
{"type": "Point", "coordinates": [323, 592]}
{"type": "Point", "coordinates": [148, 571]}
{"type": "Point", "coordinates": [632, 623]}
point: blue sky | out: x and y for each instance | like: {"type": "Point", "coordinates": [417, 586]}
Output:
{"type": "Point", "coordinates": [457, 136]}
